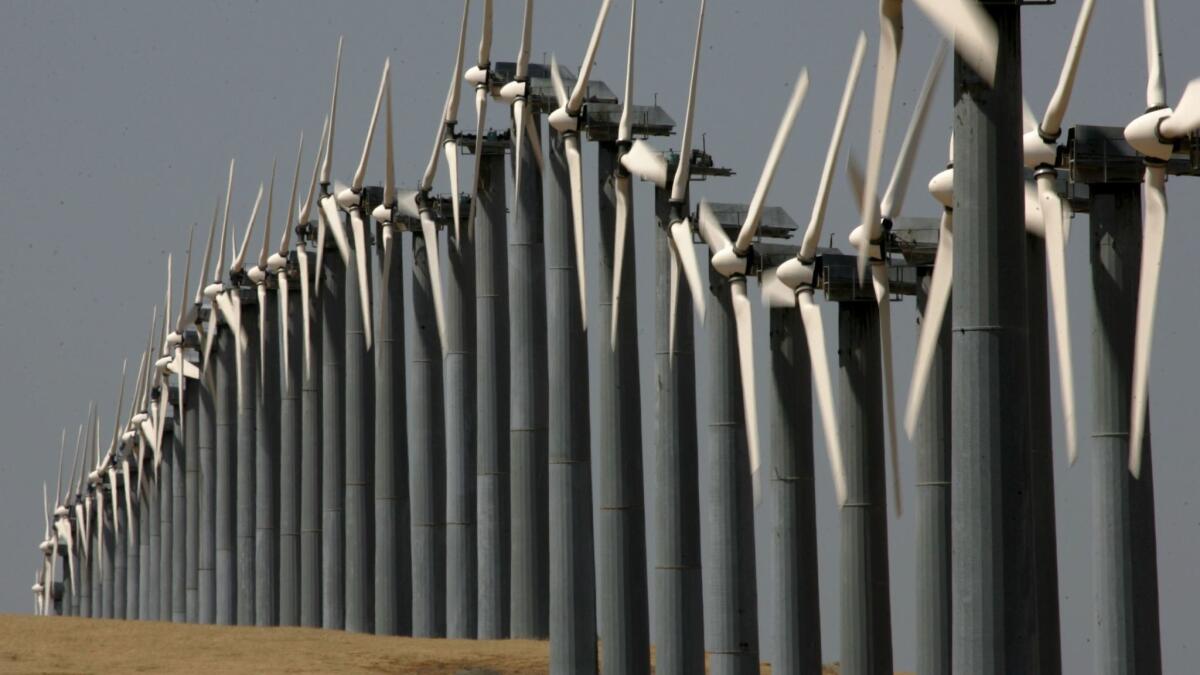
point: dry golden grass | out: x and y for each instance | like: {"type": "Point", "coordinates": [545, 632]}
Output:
{"type": "Point", "coordinates": [30, 644]}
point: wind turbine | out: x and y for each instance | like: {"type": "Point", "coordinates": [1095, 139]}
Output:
{"type": "Point", "coordinates": [479, 75]}
{"type": "Point", "coordinates": [731, 259]}
{"type": "Point", "coordinates": [567, 120]}
{"type": "Point", "coordinates": [1155, 135]}
{"type": "Point", "coordinates": [516, 94]}
{"type": "Point", "coordinates": [644, 161]}
{"type": "Point", "coordinates": [797, 278]}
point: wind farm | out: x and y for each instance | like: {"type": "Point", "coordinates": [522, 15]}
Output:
{"type": "Point", "coordinates": [680, 342]}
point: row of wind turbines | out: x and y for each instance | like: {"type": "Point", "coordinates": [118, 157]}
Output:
{"type": "Point", "coordinates": [286, 459]}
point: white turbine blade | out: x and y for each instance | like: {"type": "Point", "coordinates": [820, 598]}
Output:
{"type": "Point", "coordinates": [321, 229]}
{"type": "Point", "coordinates": [560, 90]}
{"type": "Point", "coordinates": [451, 148]}
{"type": "Point", "coordinates": [891, 33]}
{"type": "Point", "coordinates": [535, 140]}
{"type": "Point", "coordinates": [450, 108]}
{"type": "Point", "coordinates": [526, 36]}
{"type": "Point", "coordinates": [936, 301]}
{"type": "Point", "coordinates": [754, 213]}
{"type": "Point", "coordinates": [306, 205]}
{"type": "Point", "coordinates": [1028, 121]}
{"type": "Point", "coordinates": [120, 404]}
{"type": "Point", "coordinates": [128, 486]}
{"type": "Point", "coordinates": [180, 384]}
{"type": "Point", "coordinates": [710, 228]}
{"type": "Point", "coordinates": [622, 191]}
{"type": "Point", "coordinates": [302, 258]}
{"type": "Point", "coordinates": [240, 261]}
{"type": "Point", "coordinates": [266, 242]}
{"type": "Point", "coordinates": [360, 258]}
{"type": "Point", "coordinates": [429, 232]}
{"type": "Point", "coordinates": [814, 332]}
{"type": "Point", "coordinates": [645, 162]}
{"type": "Point", "coordinates": [62, 448]}
{"type": "Point", "coordinates": [518, 134]}
{"type": "Point", "coordinates": [972, 30]}
{"type": "Point", "coordinates": [879, 280]}
{"type": "Point", "coordinates": [212, 231]}
{"type": "Point", "coordinates": [1154, 221]}
{"type": "Point", "coordinates": [286, 240]}
{"type": "Point", "coordinates": [585, 70]}
{"type": "Point", "coordinates": [1056, 263]}
{"type": "Point", "coordinates": [673, 298]}
{"type": "Point", "coordinates": [625, 126]}
{"type": "Point", "coordinates": [385, 268]}
{"type": "Point", "coordinates": [210, 334]}
{"type": "Point", "coordinates": [327, 166]}
{"type": "Point", "coordinates": [220, 266]}
{"type": "Point", "coordinates": [1033, 212]}
{"type": "Point", "coordinates": [187, 274]}
{"type": "Point", "coordinates": [1156, 81]}
{"type": "Point", "coordinates": [360, 173]}
{"type": "Point", "coordinates": [481, 97]}
{"type": "Point", "coordinates": [389, 186]}
{"type": "Point", "coordinates": [282, 280]}
{"type": "Point", "coordinates": [575, 170]}
{"type": "Point", "coordinates": [854, 175]}
{"type": "Point", "coordinates": [812, 235]}
{"type": "Point", "coordinates": [893, 198]}
{"type": "Point", "coordinates": [743, 316]}
{"type": "Point", "coordinates": [112, 494]}
{"type": "Point", "coordinates": [1186, 115]}
{"type": "Point", "coordinates": [485, 35]}
{"type": "Point", "coordinates": [683, 171]}
{"type": "Point", "coordinates": [773, 293]}
{"type": "Point", "coordinates": [261, 291]}
{"type": "Point", "coordinates": [681, 234]}
{"type": "Point", "coordinates": [333, 220]}
{"type": "Point", "coordinates": [1057, 108]}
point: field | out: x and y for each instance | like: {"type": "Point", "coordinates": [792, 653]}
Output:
{"type": "Point", "coordinates": [30, 644]}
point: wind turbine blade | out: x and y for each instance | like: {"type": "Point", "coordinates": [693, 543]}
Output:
{"type": "Point", "coordinates": [120, 404]}
{"type": "Point", "coordinates": [1056, 262]}
{"type": "Point", "coordinates": [224, 227]}
{"type": "Point", "coordinates": [518, 134]}
{"type": "Point", "coordinates": [854, 175]}
{"type": "Point", "coordinates": [891, 34]}
{"type": "Point", "coordinates": [240, 261]}
{"type": "Point", "coordinates": [710, 228]}
{"type": "Point", "coordinates": [645, 162]}
{"type": "Point", "coordinates": [291, 215]}
{"type": "Point", "coordinates": [62, 447]}
{"type": "Point", "coordinates": [936, 301]}
{"type": "Point", "coordinates": [685, 251]}
{"type": "Point", "coordinates": [282, 280]}
{"type": "Point", "coordinates": [812, 235]}
{"type": "Point", "coordinates": [585, 70]}
{"type": "Point", "coordinates": [972, 30]}
{"type": "Point", "coordinates": [187, 273]}
{"type": "Point", "coordinates": [210, 334]}
{"type": "Point", "coordinates": [622, 190]}
{"type": "Point", "coordinates": [575, 170]}
{"type": "Point", "coordinates": [814, 332]}
{"type": "Point", "coordinates": [212, 231]}
{"type": "Point", "coordinates": [327, 166]}
{"type": "Point", "coordinates": [485, 35]}
{"type": "Point", "coordinates": [264, 252]}
{"type": "Point", "coordinates": [261, 291]}
{"type": "Point", "coordinates": [743, 316]}
{"type": "Point", "coordinates": [560, 90]}
{"type": "Point", "coordinates": [1057, 108]}
{"type": "Point", "coordinates": [754, 213]}
{"type": "Point", "coordinates": [526, 37]}
{"type": "Point", "coordinates": [429, 233]}
{"type": "Point", "coordinates": [774, 293]}
{"type": "Point", "coordinates": [625, 126]}
{"type": "Point", "coordinates": [305, 300]}
{"type": "Point", "coordinates": [1186, 116]}
{"type": "Point", "coordinates": [450, 146]}
{"type": "Point", "coordinates": [481, 97]}
{"type": "Point", "coordinates": [306, 205]}
{"type": "Point", "coordinates": [361, 172]}
{"type": "Point", "coordinates": [333, 221]}
{"type": "Point", "coordinates": [893, 198]}
{"type": "Point", "coordinates": [450, 108]}
{"type": "Point", "coordinates": [1156, 80]}
{"type": "Point", "coordinates": [389, 185]}
{"type": "Point", "coordinates": [879, 280]}
{"type": "Point", "coordinates": [321, 229]}
{"type": "Point", "coordinates": [360, 258]}
{"type": "Point", "coordinates": [1154, 221]}
{"type": "Point", "coordinates": [112, 494]}
{"type": "Point", "coordinates": [682, 173]}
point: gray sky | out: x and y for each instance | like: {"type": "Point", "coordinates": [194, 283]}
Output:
{"type": "Point", "coordinates": [118, 121]}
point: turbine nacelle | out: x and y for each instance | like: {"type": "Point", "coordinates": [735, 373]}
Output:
{"type": "Point", "coordinates": [1039, 150]}
{"type": "Point", "coordinates": [382, 214]}
{"type": "Point", "coordinates": [276, 262]}
{"type": "Point", "coordinates": [857, 237]}
{"type": "Point", "coordinates": [46, 546]}
{"type": "Point", "coordinates": [174, 339]}
{"type": "Point", "coordinates": [511, 91]}
{"type": "Point", "coordinates": [729, 263]}
{"type": "Point", "coordinates": [137, 419]}
{"type": "Point", "coordinates": [564, 122]}
{"type": "Point", "coordinates": [794, 273]}
{"type": "Point", "coordinates": [212, 290]}
{"type": "Point", "coordinates": [94, 477]}
{"type": "Point", "coordinates": [1145, 134]}
{"type": "Point", "coordinates": [477, 76]}
{"type": "Point", "coordinates": [164, 363]}
{"type": "Point", "coordinates": [348, 199]}
{"type": "Point", "coordinates": [941, 187]}
{"type": "Point", "coordinates": [256, 274]}
{"type": "Point", "coordinates": [61, 512]}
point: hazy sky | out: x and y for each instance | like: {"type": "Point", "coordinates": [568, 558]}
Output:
{"type": "Point", "coordinates": [118, 120]}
